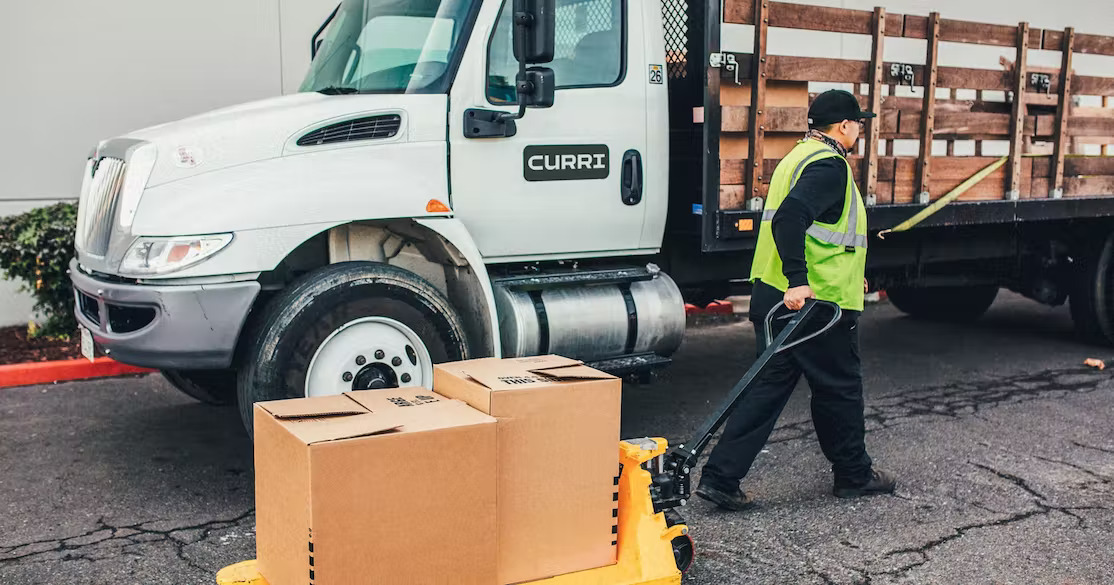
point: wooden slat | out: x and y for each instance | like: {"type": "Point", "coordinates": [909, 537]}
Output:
{"type": "Point", "coordinates": [1053, 40]}
{"type": "Point", "coordinates": [895, 24]}
{"type": "Point", "coordinates": [1061, 140]}
{"type": "Point", "coordinates": [1017, 117]}
{"type": "Point", "coordinates": [1085, 85]}
{"type": "Point", "coordinates": [962, 31]}
{"type": "Point", "coordinates": [732, 197]}
{"type": "Point", "coordinates": [964, 78]}
{"type": "Point", "coordinates": [914, 104]}
{"type": "Point", "coordinates": [951, 143]}
{"type": "Point", "coordinates": [874, 125]}
{"type": "Point", "coordinates": [1094, 44]}
{"type": "Point", "coordinates": [851, 71]}
{"type": "Point", "coordinates": [1084, 186]}
{"type": "Point", "coordinates": [916, 27]}
{"type": "Point", "coordinates": [821, 18]}
{"type": "Point", "coordinates": [1075, 166]}
{"type": "Point", "coordinates": [1089, 126]}
{"type": "Point", "coordinates": [757, 118]}
{"type": "Point", "coordinates": [818, 69]}
{"type": "Point", "coordinates": [778, 119]}
{"type": "Point", "coordinates": [738, 11]}
{"type": "Point", "coordinates": [928, 118]}
{"type": "Point", "coordinates": [1036, 38]}
{"type": "Point", "coordinates": [905, 169]}
{"type": "Point", "coordinates": [1105, 104]}
{"type": "Point", "coordinates": [733, 172]}
{"type": "Point", "coordinates": [1078, 127]}
{"type": "Point", "coordinates": [980, 95]}
{"type": "Point", "coordinates": [1093, 112]}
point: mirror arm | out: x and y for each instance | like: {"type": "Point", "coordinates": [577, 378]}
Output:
{"type": "Point", "coordinates": [522, 20]}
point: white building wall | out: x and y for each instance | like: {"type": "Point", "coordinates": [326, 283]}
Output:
{"type": "Point", "coordinates": [73, 72]}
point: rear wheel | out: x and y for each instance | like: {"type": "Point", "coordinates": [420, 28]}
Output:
{"type": "Point", "coordinates": [683, 549]}
{"type": "Point", "coordinates": [349, 326]}
{"type": "Point", "coordinates": [1092, 293]}
{"type": "Point", "coordinates": [944, 303]}
{"type": "Point", "coordinates": [216, 387]}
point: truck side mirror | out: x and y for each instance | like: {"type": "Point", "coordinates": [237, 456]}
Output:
{"type": "Point", "coordinates": [534, 30]}
{"type": "Point", "coordinates": [536, 87]}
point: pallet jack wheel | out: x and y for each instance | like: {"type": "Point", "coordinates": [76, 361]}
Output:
{"type": "Point", "coordinates": [683, 548]}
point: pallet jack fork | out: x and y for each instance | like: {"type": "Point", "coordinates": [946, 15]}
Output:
{"type": "Point", "coordinates": [654, 542]}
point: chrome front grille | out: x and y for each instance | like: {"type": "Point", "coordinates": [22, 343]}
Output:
{"type": "Point", "coordinates": [99, 205]}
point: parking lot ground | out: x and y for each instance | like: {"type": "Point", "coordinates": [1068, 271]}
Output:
{"type": "Point", "coordinates": [1002, 442]}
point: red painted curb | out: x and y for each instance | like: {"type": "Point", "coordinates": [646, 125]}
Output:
{"type": "Point", "coordinates": [63, 370]}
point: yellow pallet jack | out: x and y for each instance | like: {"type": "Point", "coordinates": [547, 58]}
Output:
{"type": "Point", "coordinates": [655, 547]}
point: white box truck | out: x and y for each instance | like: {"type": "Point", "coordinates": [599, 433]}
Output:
{"type": "Point", "coordinates": [407, 208]}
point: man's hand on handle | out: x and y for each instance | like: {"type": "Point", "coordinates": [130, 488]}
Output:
{"type": "Point", "coordinates": [796, 296]}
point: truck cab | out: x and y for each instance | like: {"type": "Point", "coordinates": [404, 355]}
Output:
{"type": "Point", "coordinates": [404, 208]}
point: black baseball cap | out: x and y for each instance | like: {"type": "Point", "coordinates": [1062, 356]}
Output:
{"type": "Point", "coordinates": [834, 106]}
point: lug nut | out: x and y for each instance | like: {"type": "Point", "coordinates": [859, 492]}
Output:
{"type": "Point", "coordinates": [360, 360]}
{"type": "Point", "coordinates": [396, 362]}
{"type": "Point", "coordinates": [380, 355]}
{"type": "Point", "coordinates": [406, 378]}
{"type": "Point", "coordinates": [347, 377]}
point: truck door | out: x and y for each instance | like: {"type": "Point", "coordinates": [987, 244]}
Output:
{"type": "Point", "coordinates": [557, 187]}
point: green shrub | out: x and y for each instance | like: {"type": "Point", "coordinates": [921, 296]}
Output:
{"type": "Point", "coordinates": [36, 247]}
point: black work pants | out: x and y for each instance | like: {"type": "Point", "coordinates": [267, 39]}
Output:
{"type": "Point", "coordinates": [830, 363]}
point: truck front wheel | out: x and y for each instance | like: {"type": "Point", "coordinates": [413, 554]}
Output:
{"type": "Point", "coordinates": [348, 326]}
{"type": "Point", "coordinates": [944, 303]}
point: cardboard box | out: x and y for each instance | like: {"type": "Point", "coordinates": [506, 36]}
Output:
{"type": "Point", "coordinates": [558, 443]}
{"type": "Point", "coordinates": [383, 486]}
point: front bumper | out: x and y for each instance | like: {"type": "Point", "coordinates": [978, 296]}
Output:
{"type": "Point", "coordinates": [165, 327]}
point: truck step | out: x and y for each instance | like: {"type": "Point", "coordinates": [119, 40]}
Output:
{"type": "Point", "coordinates": [631, 364]}
{"type": "Point", "coordinates": [578, 278]}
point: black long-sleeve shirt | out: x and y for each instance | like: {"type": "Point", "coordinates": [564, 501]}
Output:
{"type": "Point", "coordinates": [819, 195]}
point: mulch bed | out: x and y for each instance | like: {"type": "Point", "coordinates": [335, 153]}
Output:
{"type": "Point", "coordinates": [15, 348]}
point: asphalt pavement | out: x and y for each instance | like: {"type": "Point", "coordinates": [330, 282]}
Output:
{"type": "Point", "coordinates": [1000, 438]}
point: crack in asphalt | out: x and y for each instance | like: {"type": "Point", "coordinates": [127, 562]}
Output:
{"type": "Point", "coordinates": [964, 399]}
{"type": "Point", "coordinates": [956, 401]}
{"type": "Point", "coordinates": [77, 548]}
{"type": "Point", "coordinates": [1102, 479]}
{"type": "Point", "coordinates": [1042, 507]}
{"type": "Point", "coordinates": [1093, 447]}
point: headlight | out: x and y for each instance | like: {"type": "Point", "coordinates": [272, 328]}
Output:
{"type": "Point", "coordinates": [162, 255]}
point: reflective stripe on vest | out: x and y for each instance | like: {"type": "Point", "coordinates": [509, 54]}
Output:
{"type": "Point", "coordinates": [848, 238]}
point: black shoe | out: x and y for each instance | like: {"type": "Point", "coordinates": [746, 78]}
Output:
{"type": "Point", "coordinates": [727, 499]}
{"type": "Point", "coordinates": [880, 482]}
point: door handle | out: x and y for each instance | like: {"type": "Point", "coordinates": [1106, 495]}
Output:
{"type": "Point", "coordinates": [630, 183]}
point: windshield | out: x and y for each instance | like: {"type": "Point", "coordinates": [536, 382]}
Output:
{"type": "Point", "coordinates": [390, 46]}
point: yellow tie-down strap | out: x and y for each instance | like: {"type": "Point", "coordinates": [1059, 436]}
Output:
{"type": "Point", "coordinates": [946, 199]}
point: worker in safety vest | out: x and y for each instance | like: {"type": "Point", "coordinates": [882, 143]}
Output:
{"type": "Point", "coordinates": [811, 244]}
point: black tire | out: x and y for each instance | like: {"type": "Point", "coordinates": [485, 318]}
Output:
{"type": "Point", "coordinates": [297, 320]}
{"type": "Point", "coordinates": [955, 304]}
{"type": "Point", "coordinates": [1092, 293]}
{"type": "Point", "coordinates": [215, 387]}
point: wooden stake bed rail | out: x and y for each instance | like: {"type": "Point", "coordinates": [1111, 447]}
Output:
{"type": "Point", "coordinates": [765, 112]}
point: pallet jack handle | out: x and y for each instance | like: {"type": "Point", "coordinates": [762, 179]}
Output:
{"type": "Point", "coordinates": [670, 487]}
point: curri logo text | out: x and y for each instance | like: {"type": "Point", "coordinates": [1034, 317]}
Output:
{"type": "Point", "coordinates": [566, 162]}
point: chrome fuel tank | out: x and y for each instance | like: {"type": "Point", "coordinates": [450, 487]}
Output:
{"type": "Point", "coordinates": [591, 320]}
